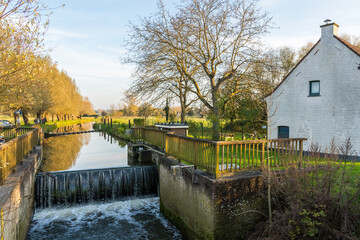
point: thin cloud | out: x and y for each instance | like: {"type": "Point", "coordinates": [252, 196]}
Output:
{"type": "Point", "coordinates": [57, 34]}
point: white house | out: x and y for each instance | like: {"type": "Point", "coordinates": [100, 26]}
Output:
{"type": "Point", "coordinates": [320, 98]}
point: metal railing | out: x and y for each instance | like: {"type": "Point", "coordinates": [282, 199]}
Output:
{"type": "Point", "coordinates": [224, 157]}
{"type": "Point", "coordinates": [14, 151]}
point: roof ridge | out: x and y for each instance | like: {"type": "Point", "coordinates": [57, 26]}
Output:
{"type": "Point", "coordinates": [352, 47]}
{"type": "Point", "coordinates": [293, 68]}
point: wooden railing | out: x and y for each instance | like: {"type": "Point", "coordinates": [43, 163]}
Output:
{"type": "Point", "coordinates": [255, 154]}
{"type": "Point", "coordinates": [13, 152]}
{"type": "Point", "coordinates": [152, 136]}
{"type": "Point", "coordinates": [10, 133]}
{"type": "Point", "coordinates": [223, 157]}
{"type": "Point", "coordinates": [200, 152]}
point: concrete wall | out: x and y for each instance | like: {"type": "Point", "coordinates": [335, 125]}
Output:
{"type": "Point", "coordinates": [16, 198]}
{"type": "Point", "coordinates": [142, 154]}
{"type": "Point", "coordinates": [333, 114]}
{"type": "Point", "coordinates": [205, 208]}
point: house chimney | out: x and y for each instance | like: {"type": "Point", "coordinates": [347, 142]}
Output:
{"type": "Point", "coordinates": [328, 30]}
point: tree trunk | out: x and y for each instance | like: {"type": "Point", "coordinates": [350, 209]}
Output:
{"type": "Point", "coordinates": [182, 97]}
{"type": "Point", "coordinates": [215, 118]}
{"type": "Point", "coordinates": [183, 114]}
{"type": "Point", "coordinates": [25, 117]}
{"type": "Point", "coordinates": [231, 124]}
{"type": "Point", "coordinates": [15, 117]}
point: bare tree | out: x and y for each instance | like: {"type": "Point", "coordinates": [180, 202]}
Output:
{"type": "Point", "coordinates": [158, 75]}
{"type": "Point", "coordinates": [131, 108]}
{"type": "Point", "coordinates": [146, 110]}
{"type": "Point", "coordinates": [219, 39]}
{"type": "Point", "coordinates": [353, 39]}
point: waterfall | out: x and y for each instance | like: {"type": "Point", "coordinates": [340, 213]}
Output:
{"type": "Point", "coordinates": [75, 187]}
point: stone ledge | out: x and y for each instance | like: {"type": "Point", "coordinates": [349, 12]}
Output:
{"type": "Point", "coordinates": [16, 197]}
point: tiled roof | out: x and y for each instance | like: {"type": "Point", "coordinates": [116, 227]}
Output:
{"type": "Point", "coordinates": [349, 45]}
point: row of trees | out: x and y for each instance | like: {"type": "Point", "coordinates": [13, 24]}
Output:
{"type": "Point", "coordinates": [135, 109]}
{"type": "Point", "coordinates": [29, 80]}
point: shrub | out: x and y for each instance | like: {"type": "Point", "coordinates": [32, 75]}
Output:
{"type": "Point", "coordinates": [121, 130]}
{"type": "Point", "coordinates": [321, 201]}
{"type": "Point", "coordinates": [193, 124]}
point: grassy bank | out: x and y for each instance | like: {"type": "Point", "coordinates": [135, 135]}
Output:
{"type": "Point", "coordinates": [117, 130]}
{"type": "Point", "coordinates": [50, 126]}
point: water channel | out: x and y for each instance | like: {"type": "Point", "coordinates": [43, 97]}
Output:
{"type": "Point", "coordinates": [105, 197]}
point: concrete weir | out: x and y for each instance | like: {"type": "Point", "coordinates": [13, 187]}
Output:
{"type": "Point", "coordinates": [202, 207]}
{"type": "Point", "coordinates": [16, 198]}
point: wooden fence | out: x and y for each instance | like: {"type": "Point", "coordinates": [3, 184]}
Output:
{"type": "Point", "coordinates": [15, 150]}
{"type": "Point", "coordinates": [223, 157]}
{"type": "Point", "coordinates": [10, 133]}
{"type": "Point", "coordinates": [152, 136]}
{"type": "Point", "coordinates": [255, 154]}
{"type": "Point", "coordinates": [200, 152]}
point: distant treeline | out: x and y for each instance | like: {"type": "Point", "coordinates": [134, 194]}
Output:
{"type": "Point", "coordinates": [29, 80]}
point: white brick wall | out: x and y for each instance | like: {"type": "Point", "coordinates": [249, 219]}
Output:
{"type": "Point", "coordinates": [336, 112]}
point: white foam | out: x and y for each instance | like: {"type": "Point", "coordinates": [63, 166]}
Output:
{"type": "Point", "coordinates": [137, 214]}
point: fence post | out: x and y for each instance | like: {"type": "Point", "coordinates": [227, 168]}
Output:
{"type": "Point", "coordinates": [262, 154]}
{"type": "Point", "coordinates": [111, 123]}
{"type": "Point", "coordinates": [217, 170]}
{"type": "Point", "coordinates": [164, 141]}
{"type": "Point", "coordinates": [301, 152]}
{"type": "Point", "coordinates": [166, 144]}
{"type": "Point", "coordinates": [3, 165]}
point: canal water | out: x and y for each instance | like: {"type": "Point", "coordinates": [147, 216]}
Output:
{"type": "Point", "coordinates": [102, 216]}
{"type": "Point", "coordinates": [75, 128]}
{"type": "Point", "coordinates": [83, 151]}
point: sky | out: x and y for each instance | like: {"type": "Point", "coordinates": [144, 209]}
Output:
{"type": "Point", "coordinates": [87, 37]}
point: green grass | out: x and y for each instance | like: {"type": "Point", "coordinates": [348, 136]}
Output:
{"type": "Point", "coordinates": [50, 126]}
{"type": "Point", "coordinates": [117, 130]}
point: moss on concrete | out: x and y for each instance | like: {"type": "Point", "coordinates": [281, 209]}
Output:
{"type": "Point", "coordinates": [186, 230]}
{"type": "Point", "coordinates": [206, 208]}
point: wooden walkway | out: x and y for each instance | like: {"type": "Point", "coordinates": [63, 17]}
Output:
{"type": "Point", "coordinates": [47, 135]}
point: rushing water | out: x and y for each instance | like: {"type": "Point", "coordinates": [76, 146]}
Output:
{"type": "Point", "coordinates": [108, 184]}
{"type": "Point", "coordinates": [131, 219]}
{"type": "Point", "coordinates": [78, 188]}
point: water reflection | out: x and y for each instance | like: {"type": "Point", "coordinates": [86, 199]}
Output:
{"type": "Point", "coordinates": [83, 151]}
{"type": "Point", "coordinates": [74, 128]}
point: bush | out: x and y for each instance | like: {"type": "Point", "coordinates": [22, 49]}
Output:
{"type": "Point", "coordinates": [121, 130]}
{"type": "Point", "coordinates": [139, 122]}
{"type": "Point", "coordinates": [193, 124]}
{"type": "Point", "coordinates": [321, 201]}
